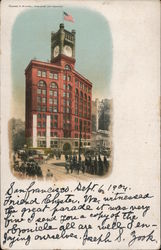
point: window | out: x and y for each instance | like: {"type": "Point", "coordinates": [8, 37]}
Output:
{"type": "Point", "coordinates": [64, 77]}
{"type": "Point", "coordinates": [76, 83]}
{"type": "Point", "coordinates": [55, 117]}
{"type": "Point", "coordinates": [43, 133]}
{"type": "Point", "coordinates": [44, 124]}
{"type": "Point", "coordinates": [67, 67]}
{"type": "Point", "coordinates": [76, 136]}
{"type": "Point", "coordinates": [44, 100]}
{"type": "Point", "coordinates": [55, 93]}
{"type": "Point", "coordinates": [39, 73]}
{"type": "Point", "coordinates": [39, 133]}
{"type": "Point", "coordinates": [68, 110]}
{"type": "Point", "coordinates": [43, 73]}
{"type": "Point", "coordinates": [76, 144]}
{"type": "Point", "coordinates": [50, 101]}
{"type": "Point", "coordinates": [39, 91]}
{"type": "Point", "coordinates": [39, 124]}
{"type": "Point", "coordinates": [55, 109]}
{"type": "Point", "coordinates": [64, 94]}
{"type": "Point", "coordinates": [76, 119]}
{"type": "Point", "coordinates": [50, 109]}
{"type": "Point", "coordinates": [69, 87]}
{"type": "Point", "coordinates": [55, 134]}
{"type": "Point", "coordinates": [81, 94]}
{"type": "Point", "coordinates": [51, 124]}
{"type": "Point", "coordinates": [38, 108]}
{"type": "Point", "coordinates": [68, 95]}
{"type": "Point", "coordinates": [64, 86]}
{"type": "Point", "coordinates": [69, 78]}
{"type": "Point", "coordinates": [89, 98]}
{"type": "Point", "coordinates": [76, 91]}
{"type": "Point", "coordinates": [55, 76]}
{"type": "Point", "coordinates": [89, 90]}
{"type": "Point", "coordinates": [44, 91]}
{"type": "Point", "coordinates": [53, 85]}
{"type": "Point", "coordinates": [44, 116]}
{"type": "Point", "coordinates": [68, 102]}
{"type": "Point", "coordinates": [85, 88]}
{"type": "Point", "coordinates": [85, 96]}
{"type": "Point", "coordinates": [55, 125]}
{"type": "Point", "coordinates": [50, 92]}
{"type": "Point", "coordinates": [81, 85]}
{"type": "Point", "coordinates": [55, 101]}
{"type": "Point", "coordinates": [41, 84]}
{"type": "Point", "coordinates": [38, 99]}
{"type": "Point", "coordinates": [76, 127]}
{"type": "Point", "coordinates": [39, 115]}
{"type": "Point", "coordinates": [51, 75]}
{"type": "Point", "coordinates": [43, 108]}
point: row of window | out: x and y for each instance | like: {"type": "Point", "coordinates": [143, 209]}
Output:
{"type": "Point", "coordinates": [82, 86]}
{"type": "Point", "coordinates": [43, 124]}
{"type": "Point", "coordinates": [66, 109]}
{"type": "Point", "coordinates": [43, 133]}
{"type": "Point", "coordinates": [55, 134]}
{"type": "Point", "coordinates": [84, 137]}
{"type": "Point", "coordinates": [55, 117]}
{"type": "Point", "coordinates": [67, 77]}
{"type": "Point", "coordinates": [51, 75]}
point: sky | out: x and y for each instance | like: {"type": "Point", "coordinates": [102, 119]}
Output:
{"type": "Point", "coordinates": [31, 35]}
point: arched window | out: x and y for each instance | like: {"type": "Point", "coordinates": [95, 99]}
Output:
{"type": "Point", "coordinates": [67, 67]}
{"type": "Point", "coordinates": [53, 85]}
{"type": "Point", "coordinates": [42, 84]}
{"type": "Point", "coordinates": [81, 94]}
{"type": "Point", "coordinates": [89, 98]}
{"type": "Point", "coordinates": [85, 96]}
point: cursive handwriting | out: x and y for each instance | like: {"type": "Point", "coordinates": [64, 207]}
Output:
{"type": "Point", "coordinates": [89, 214]}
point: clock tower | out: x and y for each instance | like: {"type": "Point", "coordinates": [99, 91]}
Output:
{"type": "Point", "coordinates": [63, 46]}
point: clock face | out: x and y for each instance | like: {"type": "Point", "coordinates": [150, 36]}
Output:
{"type": "Point", "coordinates": [56, 51]}
{"type": "Point", "coordinates": [67, 51]}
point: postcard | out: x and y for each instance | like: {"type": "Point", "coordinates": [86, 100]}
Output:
{"type": "Point", "coordinates": [80, 165]}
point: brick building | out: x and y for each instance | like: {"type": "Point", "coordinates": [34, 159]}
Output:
{"type": "Point", "coordinates": [58, 98]}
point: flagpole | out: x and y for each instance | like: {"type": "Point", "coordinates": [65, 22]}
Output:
{"type": "Point", "coordinates": [62, 15]}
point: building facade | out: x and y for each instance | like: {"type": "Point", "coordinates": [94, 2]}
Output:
{"type": "Point", "coordinates": [58, 98]}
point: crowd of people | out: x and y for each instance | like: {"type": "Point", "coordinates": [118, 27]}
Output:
{"type": "Point", "coordinates": [26, 166]}
{"type": "Point", "coordinates": [95, 165]}
{"type": "Point", "coordinates": [92, 165]}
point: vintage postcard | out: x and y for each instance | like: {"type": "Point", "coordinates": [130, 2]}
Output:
{"type": "Point", "coordinates": [80, 165]}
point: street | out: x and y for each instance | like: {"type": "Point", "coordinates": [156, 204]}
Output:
{"type": "Point", "coordinates": [57, 168]}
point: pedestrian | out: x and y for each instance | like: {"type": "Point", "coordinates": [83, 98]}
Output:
{"type": "Point", "coordinates": [83, 167]}
{"type": "Point", "coordinates": [78, 167]}
{"type": "Point", "coordinates": [105, 163]}
{"type": "Point", "coordinates": [67, 166]}
{"type": "Point", "coordinates": [100, 163]}
{"type": "Point", "coordinates": [95, 165]}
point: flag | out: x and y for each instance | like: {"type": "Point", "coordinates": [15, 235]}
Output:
{"type": "Point", "coordinates": [68, 17]}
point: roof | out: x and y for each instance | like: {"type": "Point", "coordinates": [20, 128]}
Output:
{"type": "Point", "coordinates": [54, 66]}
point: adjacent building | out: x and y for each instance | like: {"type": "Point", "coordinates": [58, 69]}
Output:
{"type": "Point", "coordinates": [101, 123]}
{"type": "Point", "coordinates": [58, 98]}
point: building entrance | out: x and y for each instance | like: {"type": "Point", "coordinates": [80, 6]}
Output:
{"type": "Point", "coordinates": [67, 148]}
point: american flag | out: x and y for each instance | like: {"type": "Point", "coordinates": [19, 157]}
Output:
{"type": "Point", "coordinates": [68, 17]}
